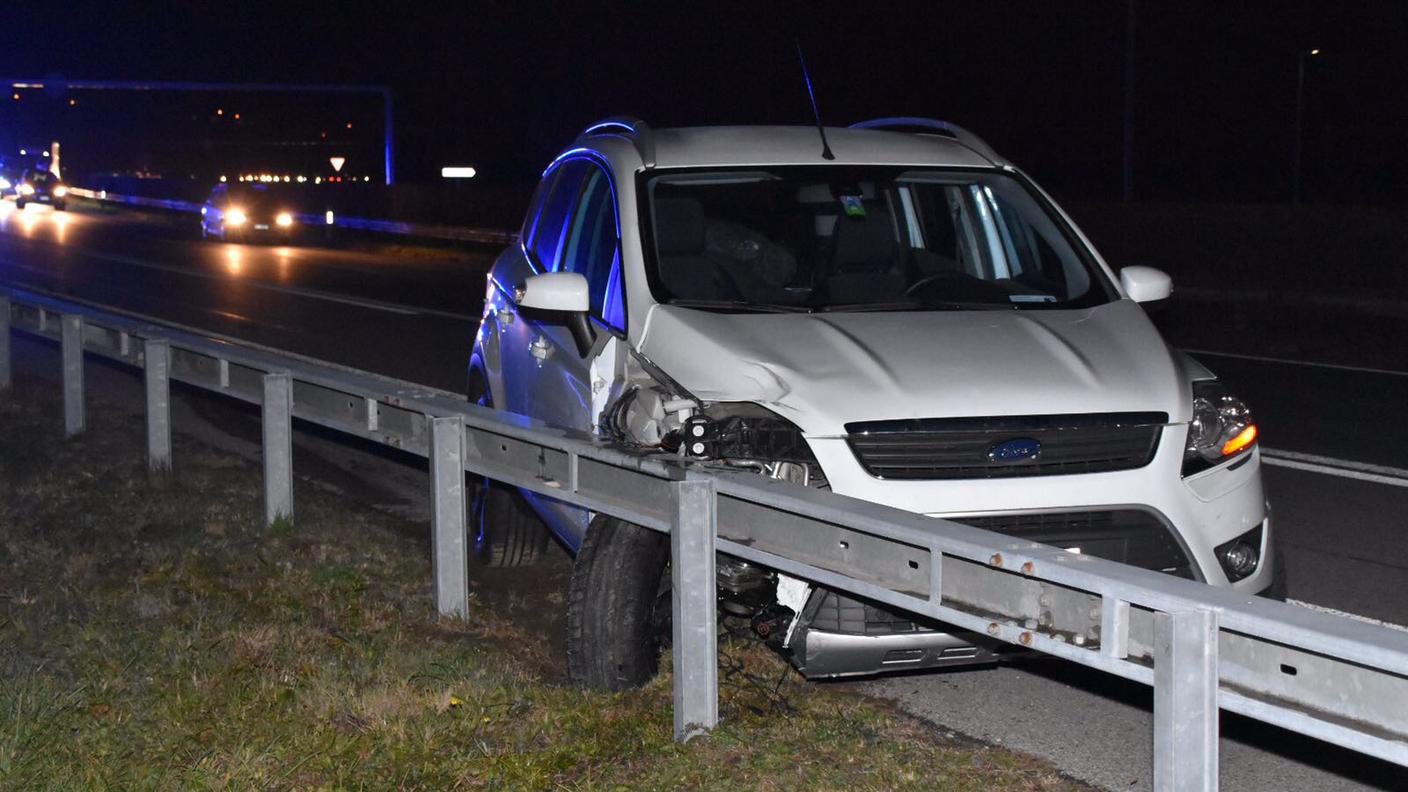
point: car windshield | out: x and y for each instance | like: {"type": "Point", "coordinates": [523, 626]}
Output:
{"type": "Point", "coordinates": [842, 238]}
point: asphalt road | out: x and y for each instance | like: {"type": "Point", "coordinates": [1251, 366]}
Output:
{"type": "Point", "coordinates": [1339, 512]}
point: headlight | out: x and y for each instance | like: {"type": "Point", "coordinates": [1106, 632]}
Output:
{"type": "Point", "coordinates": [1222, 427]}
{"type": "Point", "coordinates": [26, 188]}
{"type": "Point", "coordinates": [235, 217]}
{"type": "Point", "coordinates": [5, 183]}
{"type": "Point", "coordinates": [284, 219]}
{"type": "Point", "coordinates": [60, 191]}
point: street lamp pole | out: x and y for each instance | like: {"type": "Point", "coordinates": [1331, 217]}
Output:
{"type": "Point", "coordinates": [1300, 122]}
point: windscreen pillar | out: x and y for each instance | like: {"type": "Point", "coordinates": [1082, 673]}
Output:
{"type": "Point", "coordinates": [1185, 701]}
{"type": "Point", "coordinates": [71, 351]}
{"type": "Point", "coordinates": [694, 602]}
{"type": "Point", "coordinates": [447, 498]}
{"type": "Point", "coordinates": [278, 447]}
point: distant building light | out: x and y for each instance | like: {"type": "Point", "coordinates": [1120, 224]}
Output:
{"type": "Point", "coordinates": [366, 178]}
{"type": "Point", "coordinates": [237, 116]}
{"type": "Point", "coordinates": [457, 172]}
{"type": "Point", "coordinates": [328, 217]}
{"type": "Point", "coordinates": [1315, 51]}
{"type": "Point", "coordinates": [349, 124]}
{"type": "Point", "coordinates": [46, 153]}
{"type": "Point", "coordinates": [219, 111]}
{"type": "Point", "coordinates": [222, 180]}
{"type": "Point", "coordinates": [24, 153]}
{"type": "Point", "coordinates": [302, 178]}
{"type": "Point", "coordinates": [16, 97]}
{"type": "Point", "coordinates": [72, 102]}
{"type": "Point", "coordinates": [317, 179]}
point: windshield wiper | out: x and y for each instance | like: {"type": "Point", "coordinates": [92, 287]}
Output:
{"type": "Point", "coordinates": [742, 305]}
{"type": "Point", "coordinates": [917, 305]}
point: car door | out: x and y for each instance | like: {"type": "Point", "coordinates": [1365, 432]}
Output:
{"type": "Point", "coordinates": [561, 392]}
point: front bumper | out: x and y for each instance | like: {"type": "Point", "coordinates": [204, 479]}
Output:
{"type": "Point", "coordinates": [1204, 510]}
{"type": "Point", "coordinates": [1198, 513]}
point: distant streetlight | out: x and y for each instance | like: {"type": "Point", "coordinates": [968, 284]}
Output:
{"type": "Point", "coordinates": [1300, 121]}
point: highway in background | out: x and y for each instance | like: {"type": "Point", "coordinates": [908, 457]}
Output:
{"type": "Point", "coordinates": [1337, 473]}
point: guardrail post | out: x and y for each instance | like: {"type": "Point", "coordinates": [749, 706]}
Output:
{"type": "Point", "coordinates": [1185, 701]}
{"type": "Point", "coordinates": [71, 348]}
{"type": "Point", "coordinates": [278, 447]}
{"type": "Point", "coordinates": [4, 341]}
{"type": "Point", "coordinates": [693, 601]}
{"type": "Point", "coordinates": [447, 497]}
{"type": "Point", "coordinates": [156, 356]}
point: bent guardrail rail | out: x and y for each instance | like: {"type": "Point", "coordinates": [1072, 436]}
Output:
{"type": "Point", "coordinates": [1201, 648]}
{"type": "Point", "coordinates": [486, 236]}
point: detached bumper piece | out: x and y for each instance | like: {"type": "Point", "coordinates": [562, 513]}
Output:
{"type": "Point", "coordinates": [840, 637]}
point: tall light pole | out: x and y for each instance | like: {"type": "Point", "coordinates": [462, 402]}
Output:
{"type": "Point", "coordinates": [1300, 121]}
{"type": "Point", "coordinates": [1127, 166]}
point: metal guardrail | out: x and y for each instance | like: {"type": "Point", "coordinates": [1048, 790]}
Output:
{"type": "Point", "coordinates": [1201, 648]}
{"type": "Point", "coordinates": [486, 236]}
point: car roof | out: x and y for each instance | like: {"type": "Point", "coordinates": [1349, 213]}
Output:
{"type": "Point", "coordinates": [726, 146]}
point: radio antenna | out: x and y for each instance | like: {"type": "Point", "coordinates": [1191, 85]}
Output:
{"type": "Point", "coordinates": [816, 113]}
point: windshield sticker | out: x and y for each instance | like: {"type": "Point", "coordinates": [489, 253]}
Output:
{"type": "Point", "coordinates": [853, 206]}
{"type": "Point", "coordinates": [1031, 298]}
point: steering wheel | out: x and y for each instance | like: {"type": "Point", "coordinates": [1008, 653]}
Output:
{"type": "Point", "coordinates": [925, 281]}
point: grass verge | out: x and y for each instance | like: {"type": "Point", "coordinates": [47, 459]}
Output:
{"type": "Point", "coordinates": [154, 635]}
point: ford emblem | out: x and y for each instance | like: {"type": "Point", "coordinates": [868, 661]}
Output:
{"type": "Point", "coordinates": [1018, 449]}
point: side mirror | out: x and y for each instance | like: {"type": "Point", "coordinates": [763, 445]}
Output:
{"type": "Point", "coordinates": [1145, 284]}
{"type": "Point", "coordinates": [561, 292]}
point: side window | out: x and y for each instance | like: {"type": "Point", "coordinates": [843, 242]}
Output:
{"type": "Point", "coordinates": [592, 247]}
{"type": "Point", "coordinates": [550, 231]}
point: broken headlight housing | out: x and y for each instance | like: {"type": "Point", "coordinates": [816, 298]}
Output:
{"type": "Point", "coordinates": [1222, 427]}
{"type": "Point", "coordinates": [747, 435]}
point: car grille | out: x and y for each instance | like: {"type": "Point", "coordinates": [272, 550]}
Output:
{"type": "Point", "coordinates": [959, 448]}
{"type": "Point", "coordinates": [1130, 536]}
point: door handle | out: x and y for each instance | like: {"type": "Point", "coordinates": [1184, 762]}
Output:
{"type": "Point", "coordinates": [540, 349]}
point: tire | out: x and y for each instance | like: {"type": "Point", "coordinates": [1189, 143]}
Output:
{"type": "Point", "coordinates": [19, 203]}
{"type": "Point", "coordinates": [618, 606]}
{"type": "Point", "coordinates": [505, 529]}
{"type": "Point", "coordinates": [61, 206]}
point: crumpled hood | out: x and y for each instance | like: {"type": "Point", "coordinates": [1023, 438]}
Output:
{"type": "Point", "coordinates": [825, 370]}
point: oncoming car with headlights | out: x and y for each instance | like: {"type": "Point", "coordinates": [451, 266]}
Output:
{"type": "Point", "coordinates": [246, 212]}
{"type": "Point", "coordinates": [41, 187]}
{"type": "Point", "coordinates": [910, 321]}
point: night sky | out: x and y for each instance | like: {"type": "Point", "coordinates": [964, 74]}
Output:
{"type": "Point", "coordinates": [504, 85]}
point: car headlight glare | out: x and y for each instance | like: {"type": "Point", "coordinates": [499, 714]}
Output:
{"type": "Point", "coordinates": [284, 219]}
{"type": "Point", "coordinates": [1221, 427]}
{"type": "Point", "coordinates": [60, 191]}
{"type": "Point", "coordinates": [5, 183]}
{"type": "Point", "coordinates": [235, 217]}
{"type": "Point", "coordinates": [26, 189]}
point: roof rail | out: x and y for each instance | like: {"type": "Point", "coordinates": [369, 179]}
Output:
{"type": "Point", "coordinates": [957, 132]}
{"type": "Point", "coordinates": [633, 129]}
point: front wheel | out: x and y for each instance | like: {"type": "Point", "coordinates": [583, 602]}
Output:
{"type": "Point", "coordinates": [618, 605]}
{"type": "Point", "coordinates": [19, 203]}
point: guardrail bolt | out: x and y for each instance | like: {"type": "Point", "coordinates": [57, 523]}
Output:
{"type": "Point", "coordinates": [996, 560]}
{"type": "Point", "coordinates": [1029, 568]}
{"type": "Point", "coordinates": [1025, 639]}
{"type": "Point", "coordinates": [992, 628]}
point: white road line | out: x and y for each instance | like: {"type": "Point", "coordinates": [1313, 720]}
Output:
{"type": "Point", "coordinates": [1347, 615]}
{"type": "Point", "coordinates": [1344, 468]}
{"type": "Point", "coordinates": [1291, 362]}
